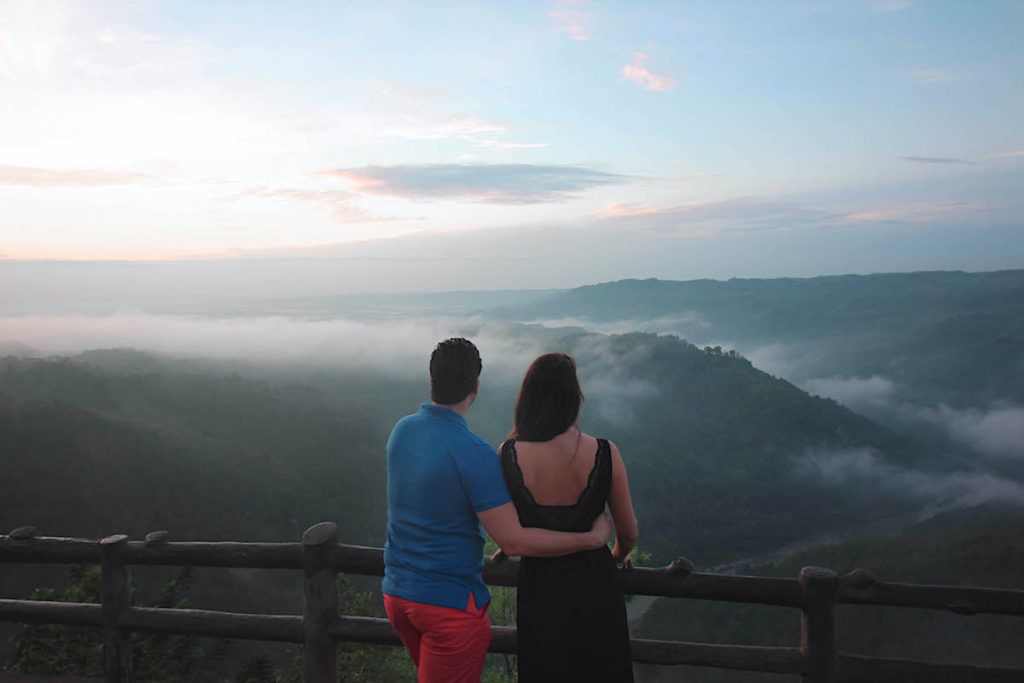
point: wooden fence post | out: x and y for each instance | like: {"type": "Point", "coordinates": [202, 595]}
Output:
{"type": "Point", "coordinates": [320, 604]}
{"type": "Point", "coordinates": [818, 625]}
{"type": "Point", "coordinates": [115, 600]}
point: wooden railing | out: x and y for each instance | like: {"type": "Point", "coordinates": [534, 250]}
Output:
{"type": "Point", "coordinates": [322, 624]}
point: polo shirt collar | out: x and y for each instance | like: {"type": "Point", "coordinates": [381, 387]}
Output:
{"type": "Point", "coordinates": [442, 412]}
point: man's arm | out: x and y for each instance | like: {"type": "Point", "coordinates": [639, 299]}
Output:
{"type": "Point", "coordinates": [502, 523]}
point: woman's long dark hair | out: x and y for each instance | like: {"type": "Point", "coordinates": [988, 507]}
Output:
{"type": "Point", "coordinates": [549, 400]}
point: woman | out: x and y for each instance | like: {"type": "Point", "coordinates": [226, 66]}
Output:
{"type": "Point", "coordinates": [571, 613]}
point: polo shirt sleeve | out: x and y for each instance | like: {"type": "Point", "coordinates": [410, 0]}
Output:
{"type": "Point", "coordinates": [482, 478]}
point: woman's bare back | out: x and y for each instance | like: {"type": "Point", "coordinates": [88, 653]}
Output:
{"type": "Point", "coordinates": [556, 471]}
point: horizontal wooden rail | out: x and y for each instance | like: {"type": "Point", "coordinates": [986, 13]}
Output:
{"type": "Point", "coordinates": [856, 669]}
{"type": "Point", "coordinates": [321, 557]}
{"type": "Point", "coordinates": [860, 587]}
{"type": "Point", "coordinates": [288, 629]}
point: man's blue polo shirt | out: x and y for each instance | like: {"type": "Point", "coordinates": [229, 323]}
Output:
{"type": "Point", "coordinates": [440, 475]}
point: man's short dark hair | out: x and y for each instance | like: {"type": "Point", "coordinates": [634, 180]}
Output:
{"type": "Point", "coordinates": [455, 366]}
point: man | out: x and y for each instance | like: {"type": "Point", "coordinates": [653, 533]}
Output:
{"type": "Point", "coordinates": [444, 482]}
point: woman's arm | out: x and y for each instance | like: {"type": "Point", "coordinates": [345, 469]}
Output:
{"type": "Point", "coordinates": [502, 523]}
{"type": "Point", "coordinates": [627, 530]}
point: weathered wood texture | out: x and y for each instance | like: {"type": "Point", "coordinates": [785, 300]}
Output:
{"type": "Point", "coordinates": [320, 604]}
{"type": "Point", "coordinates": [371, 630]}
{"type": "Point", "coordinates": [273, 627]}
{"type": "Point", "coordinates": [853, 669]}
{"type": "Point", "coordinates": [818, 625]}
{"type": "Point", "coordinates": [45, 612]}
{"type": "Point", "coordinates": [115, 599]}
{"type": "Point", "coordinates": [353, 559]}
{"type": "Point", "coordinates": [321, 626]}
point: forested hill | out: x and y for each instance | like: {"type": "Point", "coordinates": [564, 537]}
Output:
{"type": "Point", "coordinates": [791, 307]}
{"type": "Point", "coordinates": [724, 459]}
{"type": "Point", "coordinates": [959, 336]}
{"type": "Point", "coordinates": [91, 452]}
{"type": "Point", "coordinates": [983, 546]}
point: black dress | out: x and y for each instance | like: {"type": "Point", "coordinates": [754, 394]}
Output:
{"type": "Point", "coordinates": [570, 612]}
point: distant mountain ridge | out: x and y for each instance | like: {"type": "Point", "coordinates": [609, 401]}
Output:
{"type": "Point", "coordinates": [956, 335]}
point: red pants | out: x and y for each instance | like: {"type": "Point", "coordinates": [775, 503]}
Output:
{"type": "Point", "coordinates": [446, 645]}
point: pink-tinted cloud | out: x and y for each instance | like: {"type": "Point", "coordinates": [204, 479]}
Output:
{"type": "Point", "coordinates": [482, 183]}
{"type": "Point", "coordinates": [32, 176]}
{"type": "Point", "coordinates": [1007, 155]}
{"type": "Point", "coordinates": [630, 210]}
{"type": "Point", "coordinates": [918, 212]}
{"type": "Point", "coordinates": [637, 72]}
{"type": "Point", "coordinates": [342, 204]}
{"type": "Point", "coordinates": [572, 17]}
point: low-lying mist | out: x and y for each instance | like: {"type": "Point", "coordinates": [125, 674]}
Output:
{"type": "Point", "coordinates": [995, 430]}
{"type": "Point", "coordinates": [398, 346]}
{"type": "Point", "coordinates": [938, 490]}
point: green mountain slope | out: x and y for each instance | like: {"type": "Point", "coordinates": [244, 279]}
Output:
{"type": "Point", "coordinates": [717, 450]}
{"type": "Point", "coordinates": [981, 546]}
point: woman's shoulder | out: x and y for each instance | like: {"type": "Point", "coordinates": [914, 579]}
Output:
{"type": "Point", "coordinates": [506, 450]}
{"type": "Point", "coordinates": [599, 440]}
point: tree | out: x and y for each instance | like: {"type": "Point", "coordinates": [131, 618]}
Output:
{"type": "Point", "coordinates": [55, 649]}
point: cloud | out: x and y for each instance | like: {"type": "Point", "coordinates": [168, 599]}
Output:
{"type": "Point", "coordinates": [481, 133]}
{"type": "Point", "coordinates": [711, 217]}
{"type": "Point", "coordinates": [938, 160]}
{"type": "Point", "coordinates": [32, 176]}
{"type": "Point", "coordinates": [503, 145]}
{"type": "Point", "coordinates": [853, 391]}
{"type": "Point", "coordinates": [637, 72]}
{"type": "Point", "coordinates": [485, 183]}
{"type": "Point", "coordinates": [677, 324]}
{"type": "Point", "coordinates": [919, 212]}
{"type": "Point", "coordinates": [398, 345]}
{"type": "Point", "coordinates": [341, 203]}
{"type": "Point", "coordinates": [606, 381]}
{"type": "Point", "coordinates": [776, 359]}
{"type": "Point", "coordinates": [572, 17]}
{"type": "Point", "coordinates": [886, 6]}
{"type": "Point", "coordinates": [1007, 155]}
{"type": "Point", "coordinates": [462, 127]}
{"type": "Point", "coordinates": [938, 75]}
{"type": "Point", "coordinates": [997, 431]}
{"type": "Point", "coordinates": [950, 489]}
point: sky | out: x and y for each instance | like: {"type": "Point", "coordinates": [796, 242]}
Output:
{"type": "Point", "coordinates": [474, 145]}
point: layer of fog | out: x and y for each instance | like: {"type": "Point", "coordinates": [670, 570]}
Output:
{"type": "Point", "coordinates": [607, 385]}
{"type": "Point", "coordinates": [395, 346]}
{"type": "Point", "coordinates": [996, 430]}
{"type": "Point", "coordinates": [776, 359]}
{"type": "Point", "coordinates": [862, 466]}
{"type": "Point", "coordinates": [855, 392]}
{"type": "Point", "coordinates": [682, 324]}
{"type": "Point", "coordinates": [398, 347]}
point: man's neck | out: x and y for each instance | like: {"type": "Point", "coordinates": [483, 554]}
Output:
{"type": "Point", "coordinates": [461, 408]}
